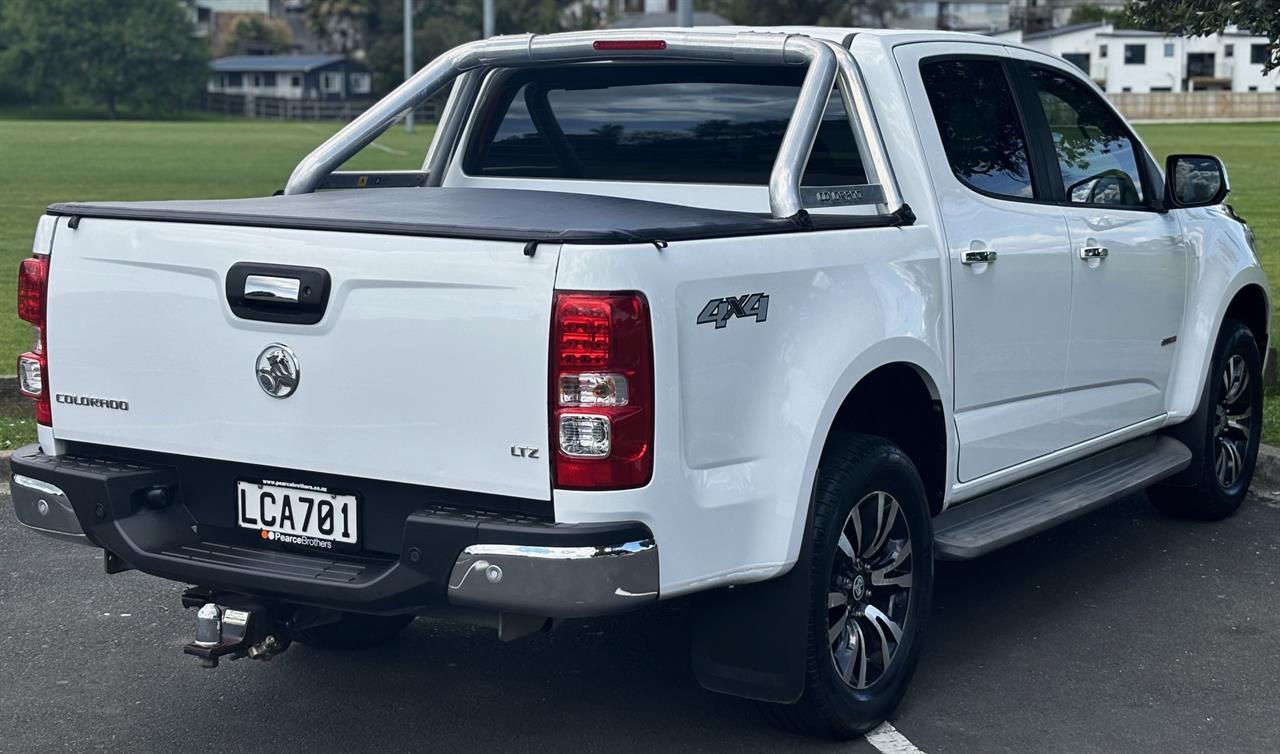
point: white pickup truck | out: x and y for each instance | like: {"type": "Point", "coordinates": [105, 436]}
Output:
{"type": "Point", "coordinates": [776, 316]}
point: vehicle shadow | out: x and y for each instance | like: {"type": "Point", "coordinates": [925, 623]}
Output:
{"type": "Point", "coordinates": [625, 683]}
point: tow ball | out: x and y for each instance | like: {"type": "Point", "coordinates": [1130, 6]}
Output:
{"type": "Point", "coordinates": [234, 632]}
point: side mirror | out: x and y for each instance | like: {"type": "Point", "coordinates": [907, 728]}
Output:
{"type": "Point", "coordinates": [1194, 180]}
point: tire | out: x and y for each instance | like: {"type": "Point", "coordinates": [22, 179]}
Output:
{"type": "Point", "coordinates": [1228, 446]}
{"type": "Point", "coordinates": [352, 631]}
{"type": "Point", "coordinates": [849, 692]}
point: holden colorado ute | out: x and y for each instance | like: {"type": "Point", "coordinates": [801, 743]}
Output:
{"type": "Point", "coordinates": [775, 317]}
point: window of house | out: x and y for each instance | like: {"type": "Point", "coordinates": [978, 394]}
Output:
{"type": "Point", "coordinates": [1126, 89]}
{"type": "Point", "coordinates": [235, 80]}
{"type": "Point", "coordinates": [361, 83]}
{"type": "Point", "coordinates": [255, 80]}
{"type": "Point", "coordinates": [661, 123]}
{"type": "Point", "coordinates": [1078, 59]}
{"type": "Point", "coordinates": [1096, 155]}
{"type": "Point", "coordinates": [1258, 54]}
{"type": "Point", "coordinates": [1162, 89]}
{"type": "Point", "coordinates": [1135, 54]}
{"type": "Point", "coordinates": [295, 81]}
{"type": "Point", "coordinates": [978, 121]}
{"type": "Point", "coordinates": [1253, 88]}
{"type": "Point", "coordinates": [331, 81]}
{"type": "Point", "coordinates": [268, 79]}
{"type": "Point", "coordinates": [1168, 49]}
{"type": "Point", "coordinates": [1102, 51]}
{"type": "Point", "coordinates": [1229, 51]}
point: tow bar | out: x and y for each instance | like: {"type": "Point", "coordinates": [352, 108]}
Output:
{"type": "Point", "coordinates": [231, 631]}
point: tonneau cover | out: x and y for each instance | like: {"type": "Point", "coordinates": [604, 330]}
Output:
{"type": "Point", "coordinates": [479, 213]}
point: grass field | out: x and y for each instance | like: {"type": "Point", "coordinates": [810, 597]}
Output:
{"type": "Point", "coordinates": [50, 161]}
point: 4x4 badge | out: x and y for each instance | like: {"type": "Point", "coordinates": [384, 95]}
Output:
{"type": "Point", "coordinates": [721, 310]}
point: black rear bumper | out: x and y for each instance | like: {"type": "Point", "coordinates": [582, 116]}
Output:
{"type": "Point", "coordinates": [419, 554]}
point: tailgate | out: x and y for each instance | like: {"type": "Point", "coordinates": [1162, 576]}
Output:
{"type": "Point", "coordinates": [428, 364]}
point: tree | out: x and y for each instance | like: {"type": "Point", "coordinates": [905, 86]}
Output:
{"type": "Point", "coordinates": [138, 53]}
{"type": "Point", "coordinates": [806, 12]}
{"type": "Point", "coordinates": [1204, 17]}
{"type": "Point", "coordinates": [1087, 13]}
{"type": "Point", "coordinates": [442, 24]}
{"type": "Point", "coordinates": [256, 34]}
{"type": "Point", "coordinates": [341, 24]}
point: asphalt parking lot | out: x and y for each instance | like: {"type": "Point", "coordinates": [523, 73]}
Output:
{"type": "Point", "coordinates": [1120, 632]}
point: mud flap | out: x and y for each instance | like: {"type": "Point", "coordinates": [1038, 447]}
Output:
{"type": "Point", "coordinates": [752, 640]}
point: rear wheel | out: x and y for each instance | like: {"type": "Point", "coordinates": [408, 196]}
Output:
{"type": "Point", "coordinates": [871, 583]}
{"type": "Point", "coordinates": [352, 631]}
{"type": "Point", "coordinates": [1229, 445]}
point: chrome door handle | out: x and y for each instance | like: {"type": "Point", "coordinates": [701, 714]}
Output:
{"type": "Point", "coordinates": [271, 288]}
{"type": "Point", "coordinates": [978, 256]}
{"type": "Point", "coordinates": [1094, 252]}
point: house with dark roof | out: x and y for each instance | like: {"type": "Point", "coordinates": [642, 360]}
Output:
{"type": "Point", "coordinates": [1135, 60]}
{"type": "Point", "coordinates": [334, 78]}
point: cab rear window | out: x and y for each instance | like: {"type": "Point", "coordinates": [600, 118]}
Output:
{"type": "Point", "coordinates": [658, 123]}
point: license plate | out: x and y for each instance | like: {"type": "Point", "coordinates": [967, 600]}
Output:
{"type": "Point", "coordinates": [297, 515]}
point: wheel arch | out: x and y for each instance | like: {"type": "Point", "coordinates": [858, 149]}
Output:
{"type": "Point", "coordinates": [1215, 297]}
{"type": "Point", "coordinates": [900, 402]}
{"type": "Point", "coordinates": [1250, 306]}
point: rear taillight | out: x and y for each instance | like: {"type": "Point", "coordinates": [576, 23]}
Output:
{"type": "Point", "coordinates": [601, 391]}
{"type": "Point", "coordinates": [33, 366]}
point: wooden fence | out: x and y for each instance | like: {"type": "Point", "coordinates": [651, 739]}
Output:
{"type": "Point", "coordinates": [288, 109]}
{"type": "Point", "coordinates": [1198, 105]}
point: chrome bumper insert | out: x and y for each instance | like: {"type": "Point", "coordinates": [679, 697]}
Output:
{"type": "Point", "coordinates": [557, 582]}
{"type": "Point", "coordinates": [45, 508]}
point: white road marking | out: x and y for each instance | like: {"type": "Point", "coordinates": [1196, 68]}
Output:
{"type": "Point", "coordinates": [386, 148]}
{"type": "Point", "coordinates": [375, 145]}
{"type": "Point", "coordinates": [887, 739]}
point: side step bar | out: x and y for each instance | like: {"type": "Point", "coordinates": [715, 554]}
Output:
{"type": "Point", "coordinates": [1020, 510]}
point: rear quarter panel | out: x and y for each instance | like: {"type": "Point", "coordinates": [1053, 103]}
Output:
{"type": "Point", "coordinates": [743, 410]}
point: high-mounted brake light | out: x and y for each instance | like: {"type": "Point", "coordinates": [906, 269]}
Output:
{"type": "Point", "coordinates": [33, 366]}
{"type": "Point", "coordinates": [629, 44]}
{"type": "Point", "coordinates": [601, 391]}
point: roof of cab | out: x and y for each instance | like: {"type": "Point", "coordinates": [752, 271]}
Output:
{"type": "Point", "coordinates": [891, 37]}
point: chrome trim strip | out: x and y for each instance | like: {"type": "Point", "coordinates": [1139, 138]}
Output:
{"type": "Point", "coordinates": [37, 485]}
{"type": "Point", "coordinates": [559, 553]}
{"type": "Point", "coordinates": [44, 508]}
{"type": "Point", "coordinates": [556, 582]}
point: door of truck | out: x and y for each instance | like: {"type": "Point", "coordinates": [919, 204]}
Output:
{"type": "Point", "coordinates": [1009, 260]}
{"type": "Point", "coordinates": [1128, 259]}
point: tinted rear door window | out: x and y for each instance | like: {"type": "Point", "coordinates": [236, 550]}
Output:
{"type": "Point", "coordinates": [664, 123]}
{"type": "Point", "coordinates": [977, 118]}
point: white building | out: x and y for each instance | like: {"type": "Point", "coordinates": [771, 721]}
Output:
{"type": "Point", "coordinates": [1046, 14]}
{"type": "Point", "coordinates": [1130, 60]}
{"type": "Point", "coordinates": [970, 16]}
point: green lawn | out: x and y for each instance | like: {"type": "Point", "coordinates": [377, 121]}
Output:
{"type": "Point", "coordinates": [60, 160]}
{"type": "Point", "coordinates": [51, 161]}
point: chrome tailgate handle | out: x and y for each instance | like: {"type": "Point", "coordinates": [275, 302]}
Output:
{"type": "Point", "coordinates": [271, 288]}
{"type": "Point", "coordinates": [278, 292]}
